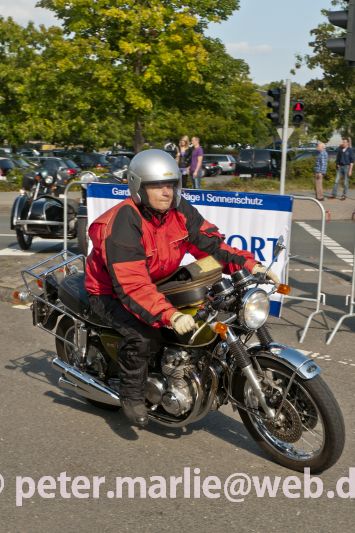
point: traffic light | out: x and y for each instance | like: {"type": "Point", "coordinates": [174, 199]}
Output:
{"type": "Point", "coordinates": [297, 112]}
{"type": "Point", "coordinates": [344, 46]}
{"type": "Point", "coordinates": [275, 104]}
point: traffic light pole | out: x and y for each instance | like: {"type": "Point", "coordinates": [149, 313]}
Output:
{"type": "Point", "coordinates": [285, 136]}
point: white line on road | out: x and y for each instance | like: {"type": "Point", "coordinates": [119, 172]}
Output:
{"type": "Point", "coordinates": [329, 243]}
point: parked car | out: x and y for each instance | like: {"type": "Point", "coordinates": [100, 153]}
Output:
{"type": "Point", "coordinates": [259, 162]}
{"type": "Point", "coordinates": [87, 160]}
{"type": "Point", "coordinates": [14, 163]}
{"type": "Point", "coordinates": [211, 168]}
{"type": "Point", "coordinates": [128, 153]}
{"type": "Point", "coordinates": [118, 163]}
{"type": "Point", "coordinates": [225, 161]}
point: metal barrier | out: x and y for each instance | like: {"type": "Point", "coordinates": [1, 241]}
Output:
{"type": "Point", "coordinates": [349, 300]}
{"type": "Point", "coordinates": [320, 297]}
{"type": "Point", "coordinates": [65, 214]}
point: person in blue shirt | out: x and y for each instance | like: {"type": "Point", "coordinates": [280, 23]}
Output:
{"type": "Point", "coordinates": [344, 163]}
{"type": "Point", "coordinates": [320, 170]}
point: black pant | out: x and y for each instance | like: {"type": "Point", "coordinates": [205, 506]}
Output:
{"type": "Point", "coordinates": [139, 341]}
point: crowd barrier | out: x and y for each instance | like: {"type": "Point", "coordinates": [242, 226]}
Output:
{"type": "Point", "coordinates": [349, 300]}
{"type": "Point", "coordinates": [319, 297]}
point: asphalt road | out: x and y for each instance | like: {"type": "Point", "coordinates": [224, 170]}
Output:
{"type": "Point", "coordinates": [45, 432]}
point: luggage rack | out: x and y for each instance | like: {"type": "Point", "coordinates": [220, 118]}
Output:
{"type": "Point", "coordinates": [42, 279]}
{"type": "Point", "coordinates": [41, 271]}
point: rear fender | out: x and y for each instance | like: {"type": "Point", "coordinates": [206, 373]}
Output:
{"type": "Point", "coordinates": [304, 366]}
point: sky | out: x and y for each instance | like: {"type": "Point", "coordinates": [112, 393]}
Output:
{"type": "Point", "coordinates": [267, 34]}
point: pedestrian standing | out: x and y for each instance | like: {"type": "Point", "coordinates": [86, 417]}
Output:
{"type": "Point", "coordinates": [183, 158]}
{"type": "Point", "coordinates": [320, 170]}
{"type": "Point", "coordinates": [195, 170]}
{"type": "Point", "coordinates": [344, 164]}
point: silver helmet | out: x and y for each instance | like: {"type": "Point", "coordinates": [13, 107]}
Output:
{"type": "Point", "coordinates": [153, 166]}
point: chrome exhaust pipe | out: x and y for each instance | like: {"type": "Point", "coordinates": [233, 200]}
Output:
{"type": "Point", "coordinates": [84, 385]}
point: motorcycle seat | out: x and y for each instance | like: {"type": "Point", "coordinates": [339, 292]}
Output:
{"type": "Point", "coordinates": [74, 296]}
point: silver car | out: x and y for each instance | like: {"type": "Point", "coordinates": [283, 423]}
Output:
{"type": "Point", "coordinates": [225, 161]}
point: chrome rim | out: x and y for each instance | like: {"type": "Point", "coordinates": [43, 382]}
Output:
{"type": "Point", "coordinates": [307, 435]}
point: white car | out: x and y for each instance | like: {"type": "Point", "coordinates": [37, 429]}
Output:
{"type": "Point", "coordinates": [225, 161]}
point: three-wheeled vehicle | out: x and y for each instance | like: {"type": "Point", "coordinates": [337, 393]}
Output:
{"type": "Point", "coordinates": [38, 211]}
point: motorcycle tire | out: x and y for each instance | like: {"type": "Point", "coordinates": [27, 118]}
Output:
{"type": "Point", "coordinates": [82, 235]}
{"type": "Point", "coordinates": [64, 351]}
{"type": "Point", "coordinates": [24, 240]}
{"type": "Point", "coordinates": [314, 406]}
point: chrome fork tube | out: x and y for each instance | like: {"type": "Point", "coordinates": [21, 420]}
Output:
{"type": "Point", "coordinates": [242, 357]}
{"type": "Point", "coordinates": [249, 373]}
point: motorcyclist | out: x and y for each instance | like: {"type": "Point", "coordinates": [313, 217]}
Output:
{"type": "Point", "coordinates": [137, 243]}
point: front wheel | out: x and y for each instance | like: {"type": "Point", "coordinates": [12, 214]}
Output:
{"type": "Point", "coordinates": [309, 431]}
{"type": "Point", "coordinates": [23, 239]}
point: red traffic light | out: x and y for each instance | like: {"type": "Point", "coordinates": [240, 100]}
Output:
{"type": "Point", "coordinates": [298, 106]}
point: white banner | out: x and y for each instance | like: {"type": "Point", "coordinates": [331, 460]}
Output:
{"type": "Point", "coordinates": [249, 221]}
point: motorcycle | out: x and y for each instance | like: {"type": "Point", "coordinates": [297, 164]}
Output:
{"type": "Point", "coordinates": [283, 402]}
{"type": "Point", "coordinates": [39, 211]}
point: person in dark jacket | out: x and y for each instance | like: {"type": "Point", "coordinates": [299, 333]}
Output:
{"type": "Point", "coordinates": [344, 163]}
{"type": "Point", "coordinates": [137, 243]}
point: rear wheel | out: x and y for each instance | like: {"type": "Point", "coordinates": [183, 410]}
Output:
{"type": "Point", "coordinates": [24, 240]}
{"type": "Point", "coordinates": [309, 431]}
{"type": "Point", "coordinates": [67, 353]}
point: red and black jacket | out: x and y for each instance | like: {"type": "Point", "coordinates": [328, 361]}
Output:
{"type": "Point", "coordinates": [133, 249]}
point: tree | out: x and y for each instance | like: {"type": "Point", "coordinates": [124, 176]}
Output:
{"type": "Point", "coordinates": [140, 49]}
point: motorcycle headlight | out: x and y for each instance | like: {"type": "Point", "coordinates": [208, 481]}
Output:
{"type": "Point", "coordinates": [49, 180]}
{"type": "Point", "coordinates": [255, 308]}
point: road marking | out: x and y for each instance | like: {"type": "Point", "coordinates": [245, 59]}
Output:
{"type": "Point", "coordinates": [329, 243]}
{"type": "Point", "coordinates": [15, 250]}
{"type": "Point", "coordinates": [7, 235]}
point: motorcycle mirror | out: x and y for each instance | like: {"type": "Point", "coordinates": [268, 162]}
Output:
{"type": "Point", "coordinates": [279, 246]}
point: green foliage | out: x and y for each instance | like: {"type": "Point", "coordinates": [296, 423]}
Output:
{"type": "Point", "coordinates": [302, 172]}
{"type": "Point", "coordinates": [118, 71]}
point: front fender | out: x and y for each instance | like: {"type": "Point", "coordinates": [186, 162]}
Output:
{"type": "Point", "coordinates": [18, 208]}
{"type": "Point", "coordinates": [294, 359]}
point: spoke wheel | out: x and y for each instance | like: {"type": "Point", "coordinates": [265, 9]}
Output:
{"type": "Point", "coordinates": [309, 431]}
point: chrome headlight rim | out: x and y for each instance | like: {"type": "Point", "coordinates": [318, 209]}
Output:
{"type": "Point", "coordinates": [246, 321]}
{"type": "Point", "coordinates": [49, 180]}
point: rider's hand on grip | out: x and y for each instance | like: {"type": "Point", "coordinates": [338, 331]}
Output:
{"type": "Point", "coordinates": [182, 323]}
{"type": "Point", "coordinates": [260, 269]}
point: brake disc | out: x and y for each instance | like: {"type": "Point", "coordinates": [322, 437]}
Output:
{"type": "Point", "coordinates": [288, 425]}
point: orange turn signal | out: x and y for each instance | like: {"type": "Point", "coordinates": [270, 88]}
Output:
{"type": "Point", "coordinates": [283, 289]}
{"type": "Point", "coordinates": [39, 283]}
{"type": "Point", "coordinates": [221, 329]}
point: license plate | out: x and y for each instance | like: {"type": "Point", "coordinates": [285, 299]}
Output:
{"type": "Point", "coordinates": [245, 175]}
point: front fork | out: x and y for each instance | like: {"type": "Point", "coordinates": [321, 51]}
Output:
{"type": "Point", "coordinates": [242, 360]}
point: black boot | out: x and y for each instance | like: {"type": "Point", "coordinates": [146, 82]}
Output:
{"type": "Point", "coordinates": [135, 411]}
